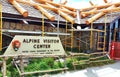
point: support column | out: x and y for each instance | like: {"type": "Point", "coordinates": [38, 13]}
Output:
{"type": "Point", "coordinates": [91, 36]}
{"type": "Point", "coordinates": [110, 34]}
{"type": "Point", "coordinates": [4, 67]}
{"type": "Point", "coordinates": [21, 66]}
{"type": "Point", "coordinates": [116, 29]}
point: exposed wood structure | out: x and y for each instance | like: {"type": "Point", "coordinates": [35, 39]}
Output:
{"type": "Point", "coordinates": [101, 6]}
{"type": "Point", "coordinates": [95, 17]}
{"type": "Point", "coordinates": [99, 11]}
{"type": "Point", "coordinates": [105, 1]}
{"type": "Point", "coordinates": [67, 17]}
{"type": "Point", "coordinates": [19, 8]}
{"type": "Point", "coordinates": [66, 12]}
{"type": "Point", "coordinates": [103, 10]}
{"type": "Point", "coordinates": [91, 3]}
{"type": "Point", "coordinates": [55, 4]}
{"type": "Point", "coordinates": [31, 3]}
{"type": "Point", "coordinates": [83, 15]}
{"type": "Point", "coordinates": [51, 17]}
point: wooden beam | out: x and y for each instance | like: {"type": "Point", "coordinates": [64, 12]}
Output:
{"type": "Point", "coordinates": [67, 17]}
{"type": "Point", "coordinates": [40, 8]}
{"type": "Point", "coordinates": [20, 9]}
{"type": "Point", "coordinates": [45, 71]}
{"type": "Point", "coordinates": [64, 15]}
{"type": "Point", "coordinates": [31, 3]}
{"type": "Point", "coordinates": [95, 17]}
{"type": "Point", "coordinates": [48, 15]}
{"type": "Point", "coordinates": [83, 15]}
{"type": "Point", "coordinates": [65, 10]}
{"type": "Point", "coordinates": [55, 4]}
{"type": "Point", "coordinates": [105, 1]}
{"type": "Point", "coordinates": [91, 3]}
{"type": "Point", "coordinates": [103, 10]}
{"type": "Point", "coordinates": [101, 6]}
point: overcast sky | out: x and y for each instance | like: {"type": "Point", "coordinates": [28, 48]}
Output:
{"type": "Point", "coordinates": [84, 3]}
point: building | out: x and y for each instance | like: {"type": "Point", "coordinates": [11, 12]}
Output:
{"type": "Point", "coordinates": [35, 23]}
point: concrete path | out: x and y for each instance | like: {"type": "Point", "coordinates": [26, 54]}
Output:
{"type": "Point", "coordinates": [112, 70]}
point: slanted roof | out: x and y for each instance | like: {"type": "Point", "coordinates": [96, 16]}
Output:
{"type": "Point", "coordinates": [107, 12]}
{"type": "Point", "coordinates": [110, 17]}
{"type": "Point", "coordinates": [10, 11]}
{"type": "Point", "coordinates": [34, 14]}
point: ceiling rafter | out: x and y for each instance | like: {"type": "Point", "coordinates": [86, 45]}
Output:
{"type": "Point", "coordinates": [66, 12]}
{"type": "Point", "coordinates": [97, 11]}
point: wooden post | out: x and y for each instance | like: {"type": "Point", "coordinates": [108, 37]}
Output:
{"type": "Point", "coordinates": [91, 36]}
{"type": "Point", "coordinates": [4, 67]}
{"type": "Point", "coordinates": [21, 66]}
{"type": "Point", "coordinates": [65, 64]}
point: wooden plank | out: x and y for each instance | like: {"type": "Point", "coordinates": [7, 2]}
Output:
{"type": "Point", "coordinates": [99, 61]}
{"type": "Point", "coordinates": [78, 54]}
{"type": "Point", "coordinates": [95, 58]}
{"type": "Point", "coordinates": [45, 71]}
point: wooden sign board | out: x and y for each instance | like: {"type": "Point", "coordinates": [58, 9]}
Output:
{"type": "Point", "coordinates": [35, 45]}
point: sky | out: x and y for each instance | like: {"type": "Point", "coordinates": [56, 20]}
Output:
{"type": "Point", "coordinates": [84, 3]}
